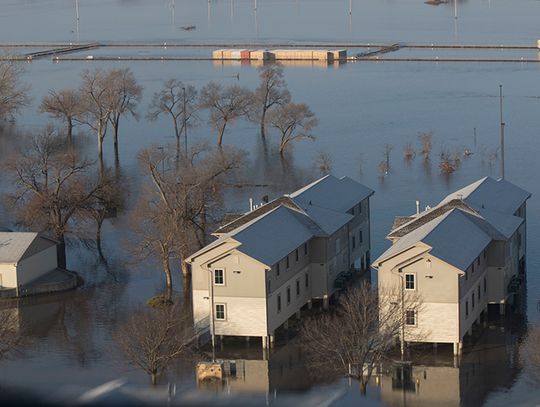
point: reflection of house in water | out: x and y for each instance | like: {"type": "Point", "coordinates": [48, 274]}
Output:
{"type": "Point", "coordinates": [490, 365]}
{"type": "Point", "coordinates": [250, 373]}
{"type": "Point", "coordinates": [36, 318]}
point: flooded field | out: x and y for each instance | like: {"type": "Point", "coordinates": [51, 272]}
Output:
{"type": "Point", "coordinates": [361, 107]}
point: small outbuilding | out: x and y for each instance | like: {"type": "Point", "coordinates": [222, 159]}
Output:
{"type": "Point", "coordinates": [25, 257]}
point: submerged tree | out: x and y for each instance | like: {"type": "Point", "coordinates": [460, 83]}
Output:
{"type": "Point", "coordinates": [272, 91]}
{"type": "Point", "coordinates": [96, 104]}
{"type": "Point", "coordinates": [64, 105]}
{"type": "Point", "coordinates": [181, 202]}
{"type": "Point", "coordinates": [52, 187]}
{"type": "Point", "coordinates": [356, 338]}
{"type": "Point", "coordinates": [152, 339]}
{"type": "Point", "coordinates": [294, 121]}
{"type": "Point", "coordinates": [323, 162]}
{"type": "Point", "coordinates": [13, 93]}
{"type": "Point", "coordinates": [426, 144]}
{"type": "Point", "coordinates": [124, 95]}
{"type": "Point", "coordinates": [225, 105]}
{"type": "Point", "coordinates": [179, 101]}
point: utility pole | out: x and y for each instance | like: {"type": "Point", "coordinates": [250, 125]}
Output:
{"type": "Point", "coordinates": [77, 16]}
{"type": "Point", "coordinates": [502, 130]}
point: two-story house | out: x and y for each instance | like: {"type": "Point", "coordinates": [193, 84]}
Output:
{"type": "Point", "coordinates": [268, 263]}
{"type": "Point", "coordinates": [457, 257]}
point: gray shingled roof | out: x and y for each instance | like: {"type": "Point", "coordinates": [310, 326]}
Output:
{"type": "Point", "coordinates": [338, 194]}
{"type": "Point", "coordinates": [445, 235]}
{"type": "Point", "coordinates": [496, 195]}
{"type": "Point", "coordinates": [16, 246]}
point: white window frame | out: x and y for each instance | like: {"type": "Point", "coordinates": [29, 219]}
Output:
{"type": "Point", "coordinates": [405, 282]}
{"type": "Point", "coordinates": [415, 314]}
{"type": "Point", "coordinates": [220, 304]}
{"type": "Point", "coordinates": [223, 276]}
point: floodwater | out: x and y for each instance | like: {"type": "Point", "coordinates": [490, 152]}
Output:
{"type": "Point", "coordinates": [361, 107]}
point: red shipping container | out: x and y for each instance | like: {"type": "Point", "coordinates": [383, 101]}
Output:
{"type": "Point", "coordinates": [245, 54]}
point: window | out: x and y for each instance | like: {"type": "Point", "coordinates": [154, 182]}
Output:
{"type": "Point", "coordinates": [219, 277]}
{"type": "Point", "coordinates": [409, 282]}
{"type": "Point", "coordinates": [472, 268]}
{"type": "Point", "coordinates": [472, 300]}
{"type": "Point", "coordinates": [307, 279]}
{"type": "Point", "coordinates": [360, 207]}
{"type": "Point", "coordinates": [467, 274]}
{"type": "Point", "coordinates": [485, 254]}
{"type": "Point", "coordinates": [478, 261]}
{"type": "Point", "coordinates": [338, 245]}
{"type": "Point", "coordinates": [220, 312]}
{"type": "Point", "coordinates": [305, 248]}
{"type": "Point", "coordinates": [288, 295]}
{"type": "Point", "coordinates": [466, 309]}
{"type": "Point", "coordinates": [353, 242]}
{"type": "Point", "coordinates": [478, 292]}
{"type": "Point", "coordinates": [287, 261]}
{"type": "Point", "coordinates": [410, 317]}
{"type": "Point", "coordinates": [277, 269]}
{"type": "Point", "coordinates": [296, 255]}
{"type": "Point", "coordinates": [298, 287]}
{"type": "Point", "coordinates": [279, 303]}
{"type": "Point", "coordinates": [485, 285]}
{"type": "Point", "coordinates": [360, 237]}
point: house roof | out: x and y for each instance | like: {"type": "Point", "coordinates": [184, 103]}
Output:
{"type": "Point", "coordinates": [445, 236]}
{"type": "Point", "coordinates": [330, 192]}
{"type": "Point", "coordinates": [488, 193]}
{"type": "Point", "coordinates": [17, 246]}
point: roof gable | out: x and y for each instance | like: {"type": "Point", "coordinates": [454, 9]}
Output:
{"type": "Point", "coordinates": [17, 246]}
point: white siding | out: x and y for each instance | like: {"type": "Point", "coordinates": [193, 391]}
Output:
{"type": "Point", "coordinates": [244, 316]}
{"type": "Point", "coordinates": [37, 265]}
{"type": "Point", "coordinates": [9, 275]}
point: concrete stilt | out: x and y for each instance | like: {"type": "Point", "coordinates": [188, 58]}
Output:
{"type": "Point", "coordinates": [458, 347]}
{"type": "Point", "coordinates": [502, 308]}
{"type": "Point", "coordinates": [247, 339]}
{"type": "Point", "coordinates": [309, 304]}
{"type": "Point", "coordinates": [298, 314]}
{"type": "Point", "coordinates": [435, 345]}
{"type": "Point", "coordinates": [271, 338]}
{"type": "Point", "coordinates": [264, 340]}
{"type": "Point", "coordinates": [326, 302]}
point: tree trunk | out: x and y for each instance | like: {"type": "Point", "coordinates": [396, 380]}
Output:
{"type": "Point", "coordinates": [185, 268]}
{"type": "Point", "coordinates": [221, 133]}
{"type": "Point", "coordinates": [70, 131]}
{"type": "Point", "coordinates": [100, 142]}
{"type": "Point", "coordinates": [263, 119]}
{"type": "Point", "coordinates": [363, 387]}
{"type": "Point", "coordinates": [168, 278]}
{"type": "Point", "coordinates": [153, 377]}
{"type": "Point", "coordinates": [98, 238]}
{"type": "Point", "coordinates": [61, 252]}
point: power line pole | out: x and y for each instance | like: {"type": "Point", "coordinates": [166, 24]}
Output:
{"type": "Point", "coordinates": [502, 130]}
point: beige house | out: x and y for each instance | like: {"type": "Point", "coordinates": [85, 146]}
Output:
{"type": "Point", "coordinates": [275, 259]}
{"type": "Point", "coordinates": [457, 257]}
{"type": "Point", "coordinates": [24, 257]}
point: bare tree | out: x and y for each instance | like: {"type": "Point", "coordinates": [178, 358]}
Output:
{"type": "Point", "coordinates": [387, 150]}
{"type": "Point", "coordinates": [323, 162]}
{"type": "Point", "coordinates": [64, 105]}
{"type": "Point", "coordinates": [95, 97]}
{"type": "Point", "coordinates": [13, 94]}
{"type": "Point", "coordinates": [447, 164]}
{"type": "Point", "coordinates": [426, 144]}
{"type": "Point", "coordinates": [179, 101]}
{"type": "Point", "coordinates": [124, 95]}
{"type": "Point", "coordinates": [408, 152]}
{"type": "Point", "coordinates": [356, 338]}
{"type": "Point", "coordinates": [182, 201]}
{"type": "Point", "coordinates": [51, 187]}
{"type": "Point", "coordinates": [225, 105]}
{"type": "Point", "coordinates": [530, 354]}
{"type": "Point", "coordinates": [272, 91]}
{"type": "Point", "coordinates": [152, 339]}
{"type": "Point", "coordinates": [10, 332]}
{"type": "Point", "coordinates": [294, 121]}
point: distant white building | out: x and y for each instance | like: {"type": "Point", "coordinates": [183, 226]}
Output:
{"type": "Point", "coordinates": [459, 256]}
{"type": "Point", "coordinates": [24, 257]}
{"type": "Point", "coordinates": [270, 262]}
